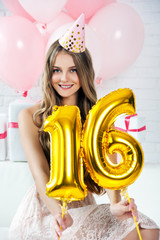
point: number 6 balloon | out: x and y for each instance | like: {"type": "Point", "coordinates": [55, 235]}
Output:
{"type": "Point", "coordinates": [100, 141]}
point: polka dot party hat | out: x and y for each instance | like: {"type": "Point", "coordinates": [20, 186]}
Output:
{"type": "Point", "coordinates": [74, 39]}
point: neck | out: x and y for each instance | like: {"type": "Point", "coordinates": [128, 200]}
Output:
{"type": "Point", "coordinates": [72, 100]}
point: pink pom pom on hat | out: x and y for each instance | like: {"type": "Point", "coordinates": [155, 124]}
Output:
{"type": "Point", "coordinates": [74, 39]}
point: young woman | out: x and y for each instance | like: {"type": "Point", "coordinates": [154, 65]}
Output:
{"type": "Point", "coordinates": [68, 79]}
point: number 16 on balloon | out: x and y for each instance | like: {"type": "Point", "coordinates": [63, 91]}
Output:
{"type": "Point", "coordinates": [64, 125]}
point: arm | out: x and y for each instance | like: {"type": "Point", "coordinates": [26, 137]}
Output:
{"type": "Point", "coordinates": [38, 163]}
{"type": "Point", "coordinates": [120, 208]}
{"type": "Point", "coordinates": [114, 196]}
{"type": "Point", "coordinates": [35, 157]}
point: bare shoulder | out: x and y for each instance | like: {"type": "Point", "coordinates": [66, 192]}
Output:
{"type": "Point", "coordinates": [25, 117]}
{"type": "Point", "coordinates": [29, 134]}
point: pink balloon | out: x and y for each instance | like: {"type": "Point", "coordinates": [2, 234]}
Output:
{"type": "Point", "coordinates": [42, 28]}
{"type": "Point", "coordinates": [47, 29]}
{"type": "Point", "coordinates": [15, 7]}
{"type": "Point", "coordinates": [44, 11]}
{"type": "Point", "coordinates": [60, 20]}
{"type": "Point", "coordinates": [89, 7]}
{"type": "Point", "coordinates": [21, 52]}
{"type": "Point", "coordinates": [91, 40]}
{"type": "Point", "coordinates": [121, 34]}
{"type": "Point", "coordinates": [110, 1]}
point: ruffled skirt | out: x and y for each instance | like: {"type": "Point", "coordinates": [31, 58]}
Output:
{"type": "Point", "coordinates": [33, 221]}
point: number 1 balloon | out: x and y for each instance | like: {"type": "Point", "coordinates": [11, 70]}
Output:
{"type": "Point", "coordinates": [66, 175]}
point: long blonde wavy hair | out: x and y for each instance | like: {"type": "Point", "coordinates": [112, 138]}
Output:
{"type": "Point", "coordinates": [86, 98]}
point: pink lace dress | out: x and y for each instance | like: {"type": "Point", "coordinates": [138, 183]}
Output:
{"type": "Point", "coordinates": [33, 221]}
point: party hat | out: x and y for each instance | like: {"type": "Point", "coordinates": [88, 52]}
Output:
{"type": "Point", "coordinates": [74, 39]}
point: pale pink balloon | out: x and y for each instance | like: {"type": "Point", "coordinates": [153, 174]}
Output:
{"type": "Point", "coordinates": [121, 33]}
{"type": "Point", "coordinates": [91, 40]}
{"type": "Point", "coordinates": [47, 29]}
{"type": "Point", "coordinates": [44, 11]}
{"type": "Point", "coordinates": [60, 20]}
{"type": "Point", "coordinates": [89, 7]}
{"type": "Point", "coordinates": [15, 7]}
{"type": "Point", "coordinates": [110, 1]}
{"type": "Point", "coordinates": [21, 53]}
{"type": "Point", "coordinates": [42, 28]}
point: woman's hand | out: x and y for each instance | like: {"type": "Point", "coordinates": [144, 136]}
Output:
{"type": "Point", "coordinates": [61, 224]}
{"type": "Point", "coordinates": [124, 209]}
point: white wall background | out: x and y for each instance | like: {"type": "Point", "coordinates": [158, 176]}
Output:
{"type": "Point", "coordinates": [143, 77]}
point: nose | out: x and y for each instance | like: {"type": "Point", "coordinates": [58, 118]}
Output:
{"type": "Point", "coordinates": [64, 77]}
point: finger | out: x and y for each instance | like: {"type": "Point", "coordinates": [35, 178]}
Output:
{"type": "Point", "coordinates": [125, 205]}
{"type": "Point", "coordinates": [58, 234]}
{"type": "Point", "coordinates": [68, 221]}
{"type": "Point", "coordinates": [135, 214]}
{"type": "Point", "coordinates": [133, 208]}
{"type": "Point", "coordinates": [57, 237]}
{"type": "Point", "coordinates": [124, 202]}
{"type": "Point", "coordinates": [125, 209]}
{"type": "Point", "coordinates": [57, 230]}
{"type": "Point", "coordinates": [132, 205]}
{"type": "Point", "coordinates": [56, 225]}
{"type": "Point", "coordinates": [60, 221]}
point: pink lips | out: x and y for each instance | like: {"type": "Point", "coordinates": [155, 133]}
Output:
{"type": "Point", "coordinates": [65, 87]}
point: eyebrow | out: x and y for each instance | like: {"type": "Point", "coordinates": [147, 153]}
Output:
{"type": "Point", "coordinates": [60, 67]}
{"type": "Point", "coordinates": [73, 66]}
{"type": "Point", "coordinates": [55, 67]}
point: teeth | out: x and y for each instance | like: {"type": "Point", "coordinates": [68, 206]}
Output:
{"type": "Point", "coordinates": [65, 86]}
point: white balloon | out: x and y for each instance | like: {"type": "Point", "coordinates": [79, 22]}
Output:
{"type": "Point", "coordinates": [43, 11]}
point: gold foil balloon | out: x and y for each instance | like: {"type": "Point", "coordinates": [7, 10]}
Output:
{"type": "Point", "coordinates": [66, 168]}
{"type": "Point", "coordinates": [100, 140]}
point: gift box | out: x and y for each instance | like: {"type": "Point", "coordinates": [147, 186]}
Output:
{"type": "Point", "coordinates": [16, 152]}
{"type": "Point", "coordinates": [3, 136]}
{"type": "Point", "coordinates": [133, 125]}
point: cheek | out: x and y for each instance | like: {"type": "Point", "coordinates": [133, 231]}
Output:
{"type": "Point", "coordinates": [53, 82]}
{"type": "Point", "coordinates": [54, 79]}
{"type": "Point", "coordinates": [76, 80]}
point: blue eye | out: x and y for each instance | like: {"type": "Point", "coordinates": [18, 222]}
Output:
{"type": "Point", "coordinates": [74, 70]}
{"type": "Point", "coordinates": [56, 70]}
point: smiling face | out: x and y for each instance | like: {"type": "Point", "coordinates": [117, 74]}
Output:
{"type": "Point", "coordinates": [65, 79]}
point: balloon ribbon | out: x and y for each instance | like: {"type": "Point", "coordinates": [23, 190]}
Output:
{"type": "Point", "coordinates": [126, 196]}
{"type": "Point", "coordinates": [64, 210]}
{"type": "Point", "coordinates": [3, 135]}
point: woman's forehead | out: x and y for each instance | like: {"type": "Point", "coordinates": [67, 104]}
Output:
{"type": "Point", "coordinates": [63, 58]}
